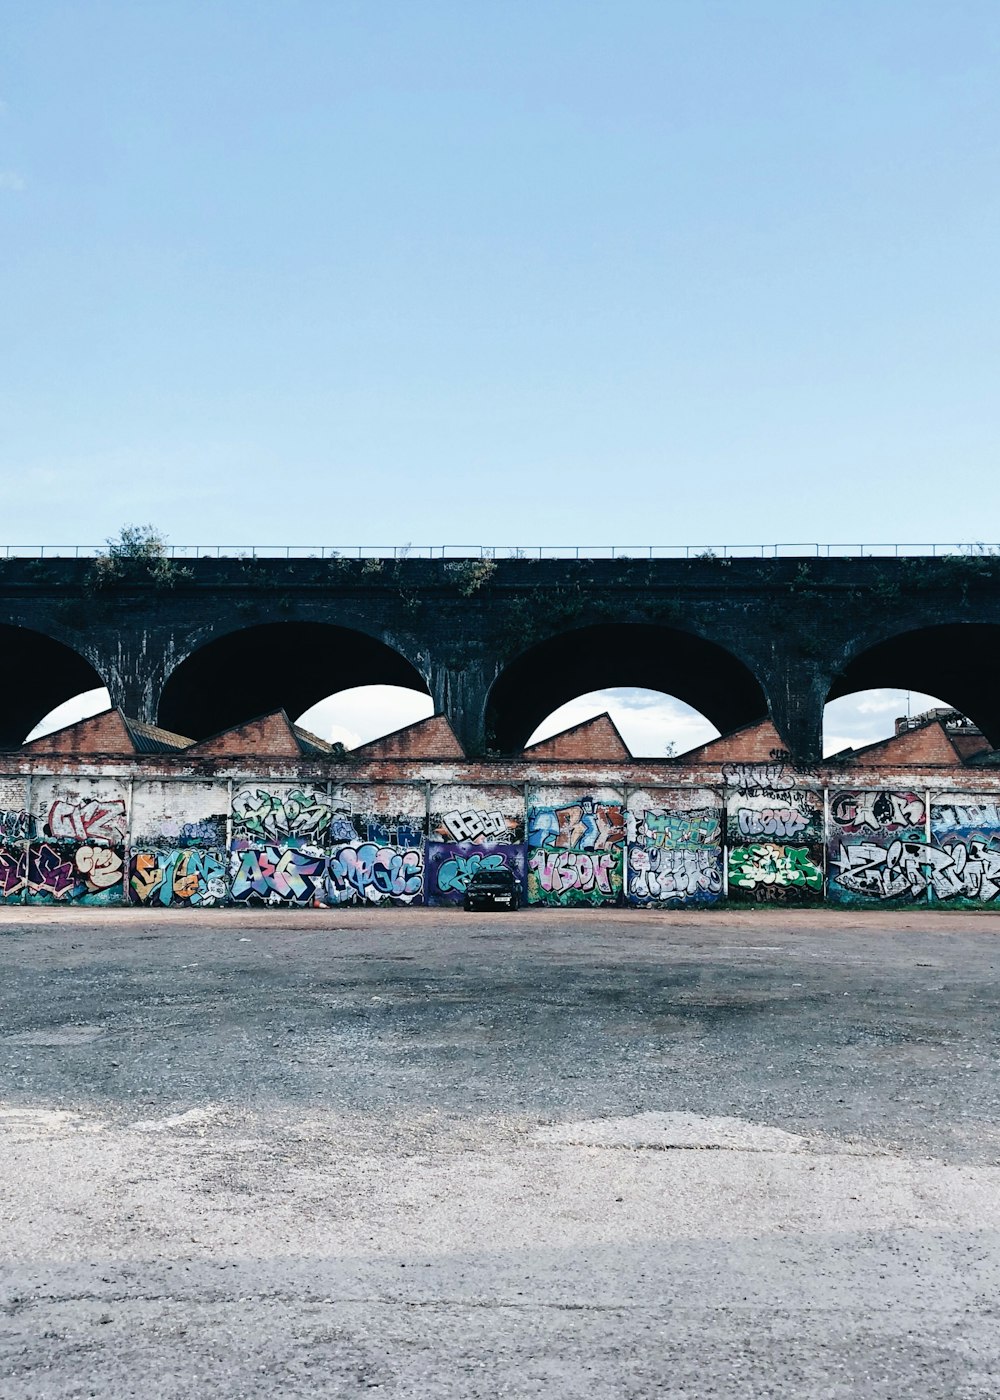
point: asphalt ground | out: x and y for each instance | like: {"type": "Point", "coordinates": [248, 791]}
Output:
{"type": "Point", "coordinates": [419, 1153]}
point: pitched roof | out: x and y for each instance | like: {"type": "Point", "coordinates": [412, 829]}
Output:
{"type": "Point", "coordinates": [432, 737]}
{"type": "Point", "coordinates": [109, 732]}
{"type": "Point", "coordinates": [597, 738]}
{"type": "Point", "coordinates": [272, 734]}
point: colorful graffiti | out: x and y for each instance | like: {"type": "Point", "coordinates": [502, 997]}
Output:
{"type": "Point", "coordinates": [876, 843]}
{"type": "Point", "coordinates": [16, 825]}
{"type": "Point", "coordinates": [768, 873]}
{"type": "Point", "coordinates": [452, 864]}
{"type": "Point", "coordinates": [364, 872]}
{"type": "Point", "coordinates": [574, 853]}
{"type": "Point", "coordinates": [572, 877]}
{"type": "Point", "coordinates": [580, 826]}
{"type": "Point", "coordinates": [194, 878]}
{"type": "Point", "coordinates": [877, 811]}
{"type": "Point", "coordinates": [967, 870]}
{"type": "Point", "coordinates": [674, 857]}
{"type": "Point", "coordinates": [278, 875]}
{"type": "Point", "coordinates": [183, 836]}
{"type": "Point", "coordinates": [295, 818]}
{"type": "Point", "coordinates": [788, 816]}
{"type": "Point", "coordinates": [83, 874]}
{"type": "Point", "coordinates": [13, 871]}
{"type": "Point", "coordinates": [966, 828]}
{"type": "Point", "coordinates": [360, 872]}
{"type": "Point", "coordinates": [762, 839]}
{"type": "Point", "coordinates": [680, 875]}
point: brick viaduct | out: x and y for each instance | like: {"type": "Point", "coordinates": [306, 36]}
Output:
{"type": "Point", "coordinates": [499, 645]}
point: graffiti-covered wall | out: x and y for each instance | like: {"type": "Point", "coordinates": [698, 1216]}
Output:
{"type": "Point", "coordinates": [575, 843]}
{"type": "Point", "coordinates": [762, 833]}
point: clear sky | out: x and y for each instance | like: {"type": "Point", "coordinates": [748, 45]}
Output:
{"type": "Point", "coordinates": [510, 271]}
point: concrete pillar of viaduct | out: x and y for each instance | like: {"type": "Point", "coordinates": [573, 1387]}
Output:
{"type": "Point", "coordinates": [460, 692]}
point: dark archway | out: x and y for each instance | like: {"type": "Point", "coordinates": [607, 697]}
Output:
{"type": "Point", "coordinates": [956, 661]}
{"type": "Point", "coordinates": [39, 673]}
{"type": "Point", "coordinates": [701, 673]}
{"type": "Point", "coordinates": [287, 665]}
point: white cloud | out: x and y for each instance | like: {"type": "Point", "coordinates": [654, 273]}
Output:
{"type": "Point", "coordinates": [649, 721]}
{"type": "Point", "coordinates": [11, 180]}
{"type": "Point", "coordinates": [869, 715]}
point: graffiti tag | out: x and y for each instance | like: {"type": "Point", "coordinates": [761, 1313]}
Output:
{"type": "Point", "coordinates": [373, 873]}
{"type": "Point", "coordinates": [681, 874]}
{"type": "Point", "coordinates": [278, 875]}
{"type": "Point", "coordinates": [583, 826]}
{"type": "Point", "coordinates": [783, 822]}
{"type": "Point", "coordinates": [281, 817]}
{"type": "Point", "coordinates": [92, 820]}
{"type": "Point", "coordinates": [656, 829]}
{"type": "Point", "coordinates": [757, 777]}
{"type": "Point", "coordinates": [189, 877]}
{"type": "Point", "coordinates": [558, 872]}
{"type": "Point", "coordinates": [16, 825]}
{"type": "Point", "coordinates": [456, 872]}
{"type": "Point", "coordinates": [969, 870]}
{"type": "Point", "coordinates": [767, 864]}
{"type": "Point", "coordinates": [475, 825]}
{"type": "Point", "coordinates": [877, 811]}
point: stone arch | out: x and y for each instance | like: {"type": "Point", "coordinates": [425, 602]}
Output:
{"type": "Point", "coordinates": [956, 661]}
{"type": "Point", "coordinates": [286, 665]}
{"type": "Point", "coordinates": [39, 673]}
{"type": "Point", "coordinates": [701, 673]}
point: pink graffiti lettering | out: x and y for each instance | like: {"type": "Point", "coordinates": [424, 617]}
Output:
{"type": "Point", "coordinates": [559, 871]}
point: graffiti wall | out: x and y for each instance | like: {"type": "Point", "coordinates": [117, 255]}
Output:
{"type": "Point", "coordinates": [879, 847]}
{"type": "Point", "coordinates": [297, 846]}
{"type": "Point", "coordinates": [76, 850]}
{"type": "Point", "coordinates": [767, 835]}
{"type": "Point", "coordinates": [575, 849]}
{"type": "Point", "coordinates": [178, 852]}
{"type": "Point", "coordinates": [674, 848]}
{"type": "Point", "coordinates": [774, 835]}
{"type": "Point", "coordinates": [965, 833]}
{"type": "Point", "coordinates": [471, 829]}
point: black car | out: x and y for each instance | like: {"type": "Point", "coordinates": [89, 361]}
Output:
{"type": "Point", "coordinates": [492, 889]}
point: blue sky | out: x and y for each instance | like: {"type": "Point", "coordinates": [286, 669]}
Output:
{"type": "Point", "coordinates": [489, 272]}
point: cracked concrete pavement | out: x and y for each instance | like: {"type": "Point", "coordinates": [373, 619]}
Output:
{"type": "Point", "coordinates": [424, 1154]}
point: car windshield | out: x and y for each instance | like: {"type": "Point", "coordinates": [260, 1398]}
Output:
{"type": "Point", "coordinates": [494, 879]}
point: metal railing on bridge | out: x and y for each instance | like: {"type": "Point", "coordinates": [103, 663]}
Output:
{"type": "Point", "coordinates": [534, 551]}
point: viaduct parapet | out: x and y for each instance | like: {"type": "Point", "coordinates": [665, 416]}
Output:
{"type": "Point", "coordinates": [498, 645]}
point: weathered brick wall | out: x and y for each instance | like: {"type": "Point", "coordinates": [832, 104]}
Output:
{"type": "Point", "coordinates": [190, 829]}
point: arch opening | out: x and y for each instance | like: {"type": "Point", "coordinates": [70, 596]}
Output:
{"type": "Point", "coordinates": [365, 712]}
{"type": "Point", "coordinates": [637, 656]}
{"type": "Point", "coordinates": [652, 723]}
{"type": "Point", "coordinates": [82, 706]}
{"type": "Point", "coordinates": [276, 665]}
{"type": "Point", "coordinates": [948, 666]}
{"type": "Point", "coordinates": [41, 674]}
